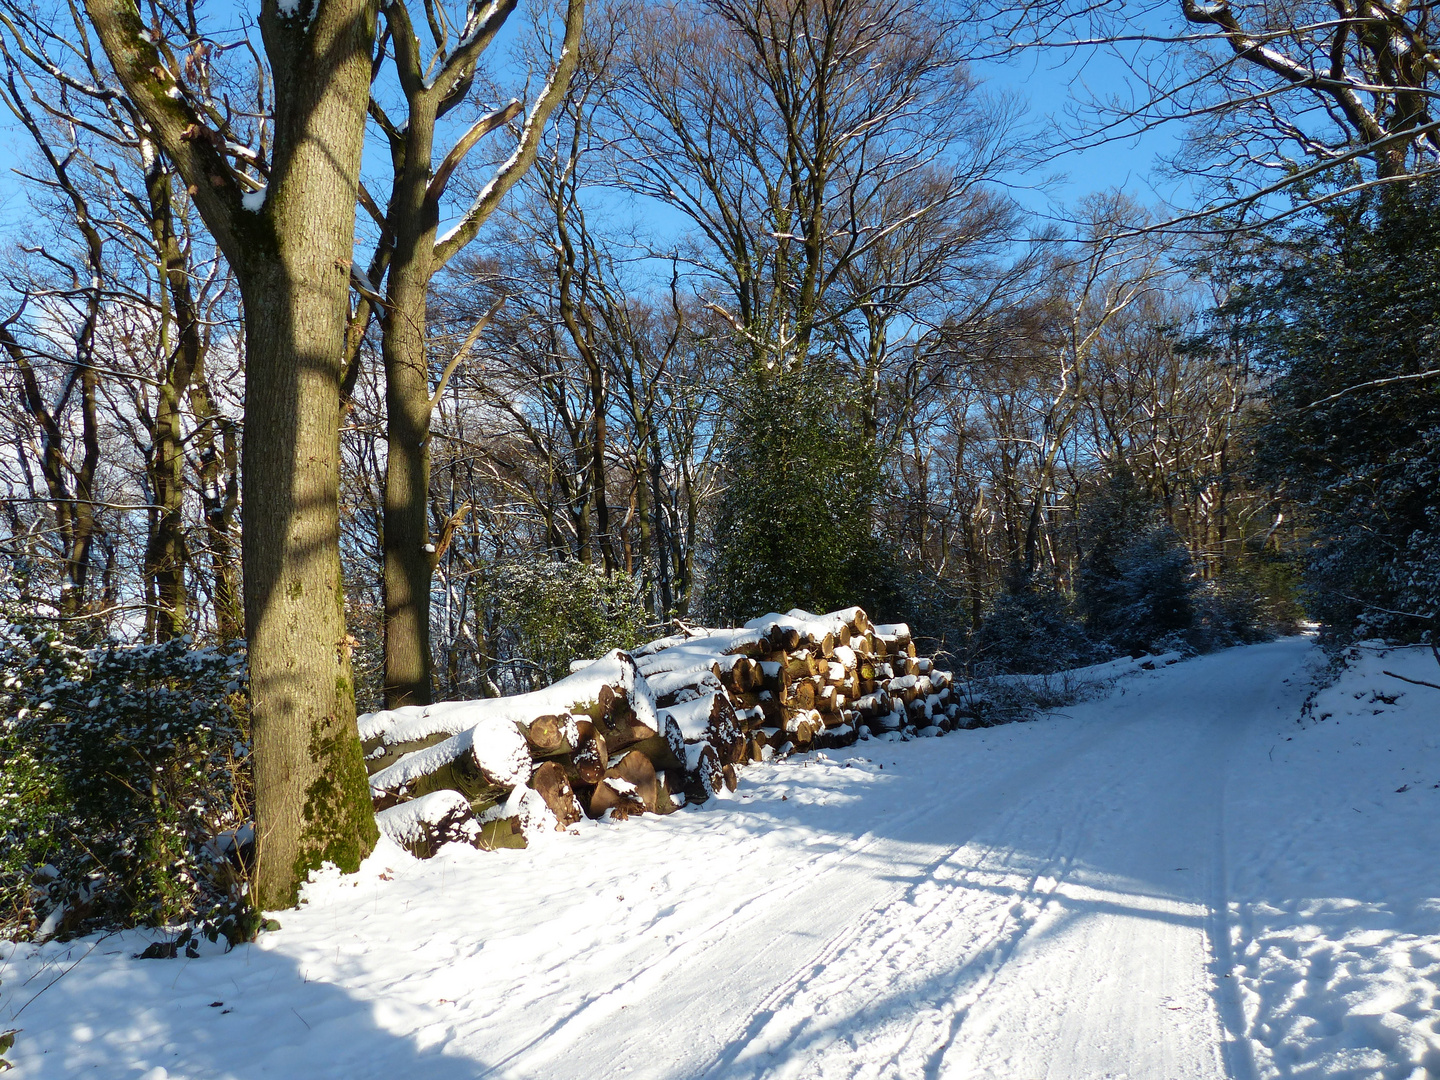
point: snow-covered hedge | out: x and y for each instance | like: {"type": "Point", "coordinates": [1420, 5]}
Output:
{"type": "Point", "coordinates": [119, 769]}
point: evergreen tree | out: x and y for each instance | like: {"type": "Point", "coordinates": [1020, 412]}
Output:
{"type": "Point", "coordinates": [1135, 583]}
{"type": "Point", "coordinates": [556, 611]}
{"type": "Point", "coordinates": [1347, 316]}
{"type": "Point", "coordinates": [794, 526]}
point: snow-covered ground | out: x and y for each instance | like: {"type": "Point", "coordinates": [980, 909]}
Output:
{"type": "Point", "coordinates": [1175, 882]}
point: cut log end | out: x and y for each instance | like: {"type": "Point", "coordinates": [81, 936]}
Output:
{"type": "Point", "coordinates": [559, 795]}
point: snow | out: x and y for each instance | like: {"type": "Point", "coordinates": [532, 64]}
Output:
{"type": "Point", "coordinates": [290, 9]}
{"type": "Point", "coordinates": [525, 805]}
{"type": "Point", "coordinates": [805, 622]}
{"type": "Point", "coordinates": [1337, 939]}
{"type": "Point", "coordinates": [495, 741]}
{"type": "Point", "coordinates": [406, 822]}
{"type": "Point", "coordinates": [892, 631]}
{"type": "Point", "coordinates": [1197, 875]}
{"type": "Point", "coordinates": [693, 754]}
{"type": "Point", "coordinates": [702, 681]}
{"type": "Point", "coordinates": [694, 653]}
{"type": "Point", "coordinates": [692, 717]}
{"type": "Point", "coordinates": [1081, 682]}
{"type": "Point", "coordinates": [453, 717]}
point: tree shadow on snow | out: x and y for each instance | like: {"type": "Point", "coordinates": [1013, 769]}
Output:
{"type": "Point", "coordinates": [247, 1014]}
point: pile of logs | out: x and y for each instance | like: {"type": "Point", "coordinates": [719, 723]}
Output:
{"type": "Point", "coordinates": [647, 731]}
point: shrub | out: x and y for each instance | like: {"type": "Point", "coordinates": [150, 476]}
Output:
{"type": "Point", "coordinates": [1029, 629]}
{"type": "Point", "coordinates": [552, 611]}
{"type": "Point", "coordinates": [1135, 583]}
{"type": "Point", "coordinates": [122, 771]}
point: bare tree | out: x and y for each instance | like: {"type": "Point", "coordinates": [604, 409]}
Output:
{"type": "Point", "coordinates": [937, 275]}
{"type": "Point", "coordinates": [779, 128]}
{"type": "Point", "coordinates": [70, 478]}
{"type": "Point", "coordinates": [433, 80]}
{"type": "Point", "coordinates": [1305, 99]}
{"type": "Point", "coordinates": [161, 281]}
{"type": "Point", "coordinates": [1333, 78]}
{"type": "Point", "coordinates": [1109, 271]}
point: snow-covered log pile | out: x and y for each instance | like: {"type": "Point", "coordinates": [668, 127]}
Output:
{"type": "Point", "coordinates": [646, 731]}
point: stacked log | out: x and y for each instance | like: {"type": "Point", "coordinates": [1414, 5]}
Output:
{"type": "Point", "coordinates": [648, 731]}
{"type": "Point", "coordinates": [586, 745]}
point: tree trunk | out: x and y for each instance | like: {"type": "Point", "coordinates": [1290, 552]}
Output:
{"type": "Point", "coordinates": [415, 255]}
{"type": "Point", "coordinates": [167, 557]}
{"type": "Point", "coordinates": [584, 339]}
{"type": "Point", "coordinates": [311, 792]}
{"type": "Point", "coordinates": [659, 491]}
{"type": "Point", "coordinates": [292, 255]}
{"type": "Point", "coordinates": [218, 467]}
{"type": "Point", "coordinates": [408, 561]}
{"type": "Point", "coordinates": [312, 799]}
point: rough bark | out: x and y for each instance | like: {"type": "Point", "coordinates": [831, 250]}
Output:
{"type": "Point", "coordinates": [217, 451]}
{"type": "Point", "coordinates": [167, 557]}
{"type": "Point", "coordinates": [291, 256]}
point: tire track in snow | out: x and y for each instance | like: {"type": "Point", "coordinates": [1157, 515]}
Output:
{"type": "Point", "coordinates": [702, 965]}
{"type": "Point", "coordinates": [918, 1045]}
{"type": "Point", "coordinates": [1136, 985]}
{"type": "Point", "coordinates": [785, 1025]}
{"type": "Point", "coordinates": [902, 941]}
{"type": "Point", "coordinates": [716, 935]}
{"type": "Point", "coordinates": [1238, 1056]}
{"type": "Point", "coordinates": [1237, 1050]}
{"type": "Point", "coordinates": [722, 1001]}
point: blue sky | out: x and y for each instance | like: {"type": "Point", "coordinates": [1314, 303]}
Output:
{"type": "Point", "coordinates": [1049, 81]}
{"type": "Point", "coordinates": [1046, 79]}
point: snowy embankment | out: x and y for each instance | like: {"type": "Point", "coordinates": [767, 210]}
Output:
{"type": "Point", "coordinates": [1176, 880]}
{"type": "Point", "coordinates": [1334, 840]}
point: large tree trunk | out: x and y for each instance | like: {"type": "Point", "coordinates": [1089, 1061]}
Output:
{"type": "Point", "coordinates": [311, 793]}
{"type": "Point", "coordinates": [312, 801]}
{"type": "Point", "coordinates": [292, 255]}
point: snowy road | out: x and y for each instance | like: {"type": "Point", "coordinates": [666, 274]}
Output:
{"type": "Point", "coordinates": [1050, 918]}
{"type": "Point", "coordinates": [1038, 900]}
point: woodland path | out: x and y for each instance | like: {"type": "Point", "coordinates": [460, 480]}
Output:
{"type": "Point", "coordinates": [1038, 900]}
{"type": "Point", "coordinates": [1061, 916]}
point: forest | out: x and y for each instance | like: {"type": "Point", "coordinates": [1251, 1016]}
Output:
{"type": "Point", "coordinates": [365, 356]}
